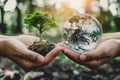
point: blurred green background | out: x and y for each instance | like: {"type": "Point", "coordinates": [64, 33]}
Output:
{"type": "Point", "coordinates": [14, 11]}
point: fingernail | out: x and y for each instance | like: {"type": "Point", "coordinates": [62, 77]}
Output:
{"type": "Point", "coordinates": [82, 57]}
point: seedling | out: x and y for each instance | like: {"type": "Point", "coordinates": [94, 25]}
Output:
{"type": "Point", "coordinates": [42, 21]}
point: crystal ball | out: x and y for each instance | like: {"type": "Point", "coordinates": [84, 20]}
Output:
{"type": "Point", "coordinates": [82, 33]}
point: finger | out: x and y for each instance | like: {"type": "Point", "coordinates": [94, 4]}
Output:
{"type": "Point", "coordinates": [72, 55]}
{"type": "Point", "coordinates": [91, 64]}
{"type": "Point", "coordinates": [75, 57]}
{"type": "Point", "coordinates": [92, 55]}
{"type": "Point", "coordinates": [31, 40]}
{"type": "Point", "coordinates": [36, 39]}
{"type": "Point", "coordinates": [52, 54]}
{"type": "Point", "coordinates": [104, 38]}
{"type": "Point", "coordinates": [30, 55]}
{"type": "Point", "coordinates": [102, 61]}
{"type": "Point", "coordinates": [107, 36]}
{"type": "Point", "coordinates": [28, 40]}
{"type": "Point", "coordinates": [104, 50]}
{"type": "Point", "coordinates": [29, 37]}
{"type": "Point", "coordinates": [25, 63]}
{"type": "Point", "coordinates": [95, 63]}
{"type": "Point", "coordinates": [110, 36]}
{"type": "Point", "coordinates": [62, 44]}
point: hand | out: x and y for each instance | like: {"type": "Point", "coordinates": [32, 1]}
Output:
{"type": "Point", "coordinates": [106, 50]}
{"type": "Point", "coordinates": [26, 39]}
{"type": "Point", "coordinates": [17, 51]}
{"type": "Point", "coordinates": [108, 36]}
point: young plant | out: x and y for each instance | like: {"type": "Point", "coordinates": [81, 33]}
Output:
{"type": "Point", "coordinates": [42, 21]}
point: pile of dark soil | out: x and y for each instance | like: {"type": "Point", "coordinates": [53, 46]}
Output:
{"type": "Point", "coordinates": [42, 49]}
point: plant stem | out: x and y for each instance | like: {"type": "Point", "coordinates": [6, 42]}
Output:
{"type": "Point", "coordinates": [40, 31]}
{"type": "Point", "coordinates": [40, 36]}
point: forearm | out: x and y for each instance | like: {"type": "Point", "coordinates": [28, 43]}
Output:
{"type": "Point", "coordinates": [8, 37]}
{"type": "Point", "coordinates": [4, 37]}
{"type": "Point", "coordinates": [115, 44]}
{"type": "Point", "coordinates": [2, 48]}
{"type": "Point", "coordinates": [118, 41]}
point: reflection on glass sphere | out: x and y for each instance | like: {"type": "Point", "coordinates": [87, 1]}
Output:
{"type": "Point", "coordinates": [82, 33]}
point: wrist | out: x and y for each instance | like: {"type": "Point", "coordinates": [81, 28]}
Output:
{"type": "Point", "coordinates": [8, 37]}
{"type": "Point", "coordinates": [118, 42]}
{"type": "Point", "coordinates": [112, 35]}
{"type": "Point", "coordinates": [4, 37]}
{"type": "Point", "coordinates": [2, 47]}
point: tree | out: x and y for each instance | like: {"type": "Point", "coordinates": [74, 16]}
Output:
{"type": "Point", "coordinates": [2, 24]}
{"type": "Point", "coordinates": [42, 21]}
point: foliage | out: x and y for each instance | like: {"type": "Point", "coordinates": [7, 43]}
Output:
{"type": "Point", "coordinates": [118, 58]}
{"type": "Point", "coordinates": [43, 21]}
{"type": "Point", "coordinates": [1, 78]}
{"type": "Point", "coordinates": [66, 60]}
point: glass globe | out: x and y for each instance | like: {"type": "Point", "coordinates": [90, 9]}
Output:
{"type": "Point", "coordinates": [82, 32]}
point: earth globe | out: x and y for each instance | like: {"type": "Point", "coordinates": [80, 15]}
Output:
{"type": "Point", "coordinates": [82, 33]}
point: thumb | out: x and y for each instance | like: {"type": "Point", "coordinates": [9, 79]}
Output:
{"type": "Point", "coordinates": [27, 40]}
{"type": "Point", "coordinates": [92, 55]}
{"type": "Point", "coordinates": [36, 39]}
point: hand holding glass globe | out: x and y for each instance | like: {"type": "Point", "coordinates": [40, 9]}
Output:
{"type": "Point", "coordinates": [82, 32]}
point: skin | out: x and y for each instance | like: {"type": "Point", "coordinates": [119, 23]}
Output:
{"type": "Point", "coordinates": [16, 49]}
{"type": "Point", "coordinates": [108, 49]}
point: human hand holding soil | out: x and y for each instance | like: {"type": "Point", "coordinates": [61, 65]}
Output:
{"type": "Point", "coordinates": [17, 50]}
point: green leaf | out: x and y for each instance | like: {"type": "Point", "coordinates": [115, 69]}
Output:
{"type": "Point", "coordinates": [43, 21]}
